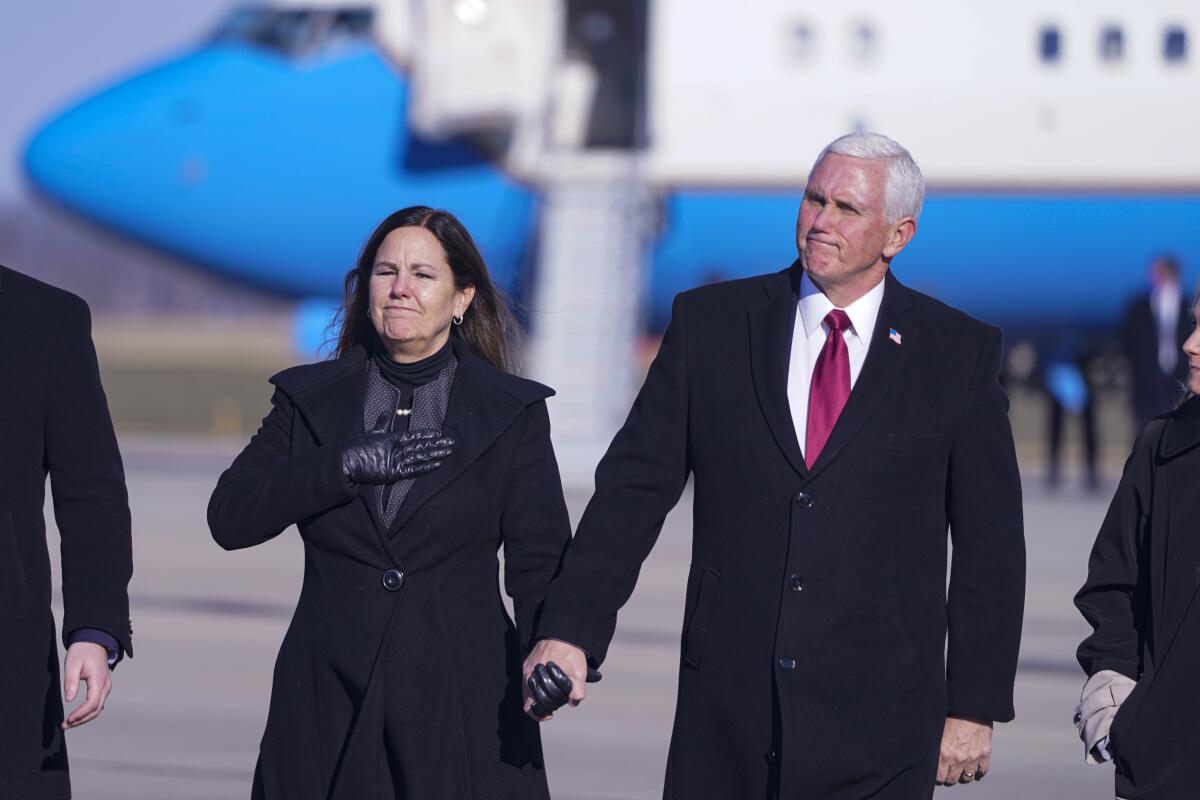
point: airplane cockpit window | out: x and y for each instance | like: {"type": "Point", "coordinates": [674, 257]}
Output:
{"type": "Point", "coordinates": [1050, 44]}
{"type": "Point", "coordinates": [1175, 45]}
{"type": "Point", "coordinates": [1112, 43]}
{"type": "Point", "coordinates": [297, 32]}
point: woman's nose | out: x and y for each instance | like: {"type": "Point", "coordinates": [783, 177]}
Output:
{"type": "Point", "coordinates": [400, 285]}
{"type": "Point", "coordinates": [1191, 345]}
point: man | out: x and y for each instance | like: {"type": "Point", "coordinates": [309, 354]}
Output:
{"type": "Point", "coordinates": [54, 419]}
{"type": "Point", "coordinates": [834, 423]}
{"type": "Point", "coordinates": [1153, 330]}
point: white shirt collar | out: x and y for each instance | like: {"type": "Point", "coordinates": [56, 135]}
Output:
{"type": "Point", "coordinates": [814, 306]}
{"type": "Point", "coordinates": [1168, 295]}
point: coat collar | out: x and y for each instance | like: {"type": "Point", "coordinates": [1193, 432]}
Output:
{"type": "Point", "coordinates": [329, 395]}
{"type": "Point", "coordinates": [484, 402]}
{"type": "Point", "coordinates": [770, 340]}
{"type": "Point", "coordinates": [1182, 431]}
{"type": "Point", "coordinates": [770, 349]}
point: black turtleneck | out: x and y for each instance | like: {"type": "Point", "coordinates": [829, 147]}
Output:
{"type": "Point", "coordinates": [407, 377]}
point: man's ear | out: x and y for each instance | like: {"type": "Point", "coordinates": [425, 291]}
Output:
{"type": "Point", "coordinates": [903, 232]}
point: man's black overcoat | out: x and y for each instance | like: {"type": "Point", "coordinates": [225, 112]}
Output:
{"type": "Point", "coordinates": [816, 608]}
{"type": "Point", "coordinates": [1141, 599]}
{"type": "Point", "coordinates": [53, 418]}
{"type": "Point", "coordinates": [1153, 392]}
{"type": "Point", "coordinates": [410, 690]}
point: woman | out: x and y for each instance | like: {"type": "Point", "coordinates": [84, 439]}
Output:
{"type": "Point", "coordinates": [1141, 705]}
{"type": "Point", "coordinates": [400, 675]}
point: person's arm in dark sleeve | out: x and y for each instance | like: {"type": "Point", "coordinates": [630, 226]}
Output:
{"type": "Point", "coordinates": [267, 488]}
{"type": "Point", "coordinates": [1111, 598]}
{"type": "Point", "coordinates": [87, 480]}
{"type": "Point", "coordinates": [638, 481]}
{"type": "Point", "coordinates": [986, 595]}
{"type": "Point", "coordinates": [534, 525]}
{"type": "Point", "coordinates": [102, 638]}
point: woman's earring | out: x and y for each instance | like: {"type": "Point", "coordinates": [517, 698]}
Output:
{"type": "Point", "coordinates": [458, 319]}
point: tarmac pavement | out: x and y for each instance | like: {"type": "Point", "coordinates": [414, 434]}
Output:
{"type": "Point", "coordinates": [186, 713]}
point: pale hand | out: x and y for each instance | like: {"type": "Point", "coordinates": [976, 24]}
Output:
{"type": "Point", "coordinates": [86, 662]}
{"type": "Point", "coordinates": [571, 659]}
{"type": "Point", "coordinates": [965, 752]}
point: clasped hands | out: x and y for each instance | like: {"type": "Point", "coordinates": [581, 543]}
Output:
{"type": "Point", "coordinates": [556, 673]}
{"type": "Point", "coordinates": [380, 457]}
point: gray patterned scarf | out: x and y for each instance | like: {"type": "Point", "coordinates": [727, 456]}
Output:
{"type": "Point", "coordinates": [428, 413]}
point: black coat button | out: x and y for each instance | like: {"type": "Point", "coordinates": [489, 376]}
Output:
{"type": "Point", "coordinates": [787, 664]}
{"type": "Point", "coordinates": [770, 755]}
{"type": "Point", "coordinates": [805, 500]}
{"type": "Point", "coordinates": [796, 582]}
{"type": "Point", "coordinates": [393, 579]}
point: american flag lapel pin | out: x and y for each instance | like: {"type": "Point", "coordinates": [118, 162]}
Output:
{"type": "Point", "coordinates": [894, 335]}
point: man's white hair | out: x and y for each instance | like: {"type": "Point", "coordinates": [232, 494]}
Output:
{"type": "Point", "coordinates": [905, 189]}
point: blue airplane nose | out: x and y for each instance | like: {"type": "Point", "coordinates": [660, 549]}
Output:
{"type": "Point", "coordinates": [268, 168]}
{"type": "Point", "coordinates": [114, 155]}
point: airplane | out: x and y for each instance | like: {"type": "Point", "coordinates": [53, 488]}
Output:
{"type": "Point", "coordinates": [1057, 139]}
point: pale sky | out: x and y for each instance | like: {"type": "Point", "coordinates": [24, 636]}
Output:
{"type": "Point", "coordinates": [55, 52]}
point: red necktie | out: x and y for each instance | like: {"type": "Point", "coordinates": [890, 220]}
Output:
{"type": "Point", "coordinates": [830, 386]}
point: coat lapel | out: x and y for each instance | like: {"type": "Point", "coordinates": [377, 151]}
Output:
{"type": "Point", "coordinates": [770, 349]}
{"type": "Point", "coordinates": [1180, 434]}
{"type": "Point", "coordinates": [333, 410]}
{"type": "Point", "coordinates": [478, 412]}
{"type": "Point", "coordinates": [1182, 431]}
{"type": "Point", "coordinates": [333, 406]}
{"type": "Point", "coordinates": [884, 362]}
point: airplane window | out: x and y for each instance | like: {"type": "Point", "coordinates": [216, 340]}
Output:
{"type": "Point", "coordinates": [1175, 45]}
{"type": "Point", "coordinates": [1112, 43]}
{"type": "Point", "coordinates": [1050, 44]}
{"type": "Point", "coordinates": [801, 41]}
{"type": "Point", "coordinates": [863, 41]}
{"type": "Point", "coordinates": [356, 21]}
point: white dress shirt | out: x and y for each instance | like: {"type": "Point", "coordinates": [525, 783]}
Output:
{"type": "Point", "coordinates": [808, 337]}
{"type": "Point", "coordinates": [1164, 302]}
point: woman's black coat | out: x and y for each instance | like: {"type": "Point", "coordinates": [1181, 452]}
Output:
{"type": "Point", "coordinates": [407, 686]}
{"type": "Point", "coordinates": [1141, 599]}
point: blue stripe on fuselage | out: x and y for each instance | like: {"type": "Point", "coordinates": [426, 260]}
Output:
{"type": "Point", "coordinates": [1010, 258]}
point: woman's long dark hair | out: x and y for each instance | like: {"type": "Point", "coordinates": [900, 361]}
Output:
{"type": "Point", "coordinates": [488, 326]}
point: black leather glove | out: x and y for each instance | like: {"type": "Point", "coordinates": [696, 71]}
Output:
{"type": "Point", "coordinates": [381, 458]}
{"type": "Point", "coordinates": [551, 688]}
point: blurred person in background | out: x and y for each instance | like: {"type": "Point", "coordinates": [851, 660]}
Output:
{"type": "Point", "coordinates": [1152, 331]}
{"type": "Point", "coordinates": [1067, 383]}
{"type": "Point", "coordinates": [54, 420]}
{"type": "Point", "coordinates": [1139, 705]}
{"type": "Point", "coordinates": [400, 675]}
{"type": "Point", "coordinates": [836, 424]}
